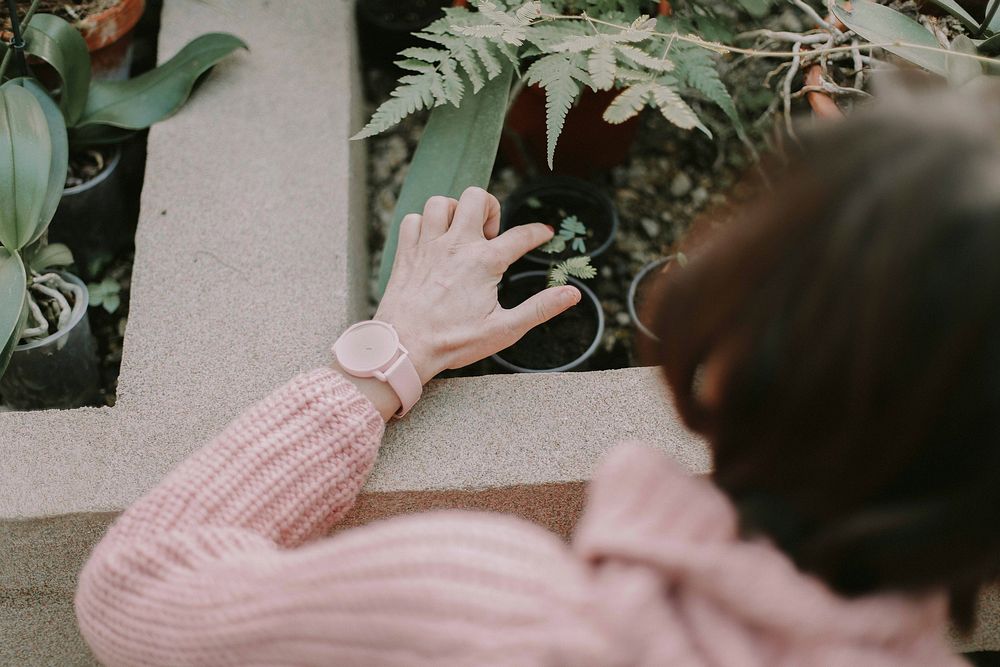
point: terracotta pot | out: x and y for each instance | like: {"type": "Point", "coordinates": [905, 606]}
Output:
{"type": "Point", "coordinates": [587, 144]}
{"type": "Point", "coordinates": [823, 105]}
{"type": "Point", "coordinates": [109, 38]}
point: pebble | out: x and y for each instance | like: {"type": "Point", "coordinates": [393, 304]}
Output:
{"type": "Point", "coordinates": [681, 185]}
{"type": "Point", "coordinates": [651, 227]}
{"type": "Point", "coordinates": [622, 319]}
{"type": "Point", "coordinates": [699, 196]}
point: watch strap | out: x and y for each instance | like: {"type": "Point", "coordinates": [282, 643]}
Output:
{"type": "Point", "coordinates": [403, 378]}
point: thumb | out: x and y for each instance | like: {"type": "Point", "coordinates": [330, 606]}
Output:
{"type": "Point", "coordinates": [539, 308]}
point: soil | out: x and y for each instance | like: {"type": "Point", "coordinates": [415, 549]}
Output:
{"type": "Point", "coordinates": [551, 208]}
{"type": "Point", "coordinates": [573, 330]}
{"type": "Point", "coordinates": [87, 164]}
{"type": "Point", "coordinates": [71, 11]}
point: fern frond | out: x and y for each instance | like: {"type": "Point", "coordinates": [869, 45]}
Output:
{"type": "Point", "coordinates": [577, 267]}
{"type": "Point", "coordinates": [528, 12]}
{"type": "Point", "coordinates": [643, 59]}
{"type": "Point", "coordinates": [628, 103]}
{"type": "Point", "coordinates": [706, 80]}
{"type": "Point", "coordinates": [415, 65]}
{"type": "Point", "coordinates": [560, 76]}
{"type": "Point", "coordinates": [675, 109]}
{"type": "Point", "coordinates": [423, 53]}
{"type": "Point", "coordinates": [558, 276]}
{"type": "Point", "coordinates": [406, 99]}
{"type": "Point", "coordinates": [510, 34]}
{"type": "Point", "coordinates": [602, 66]}
{"type": "Point", "coordinates": [484, 50]}
{"type": "Point", "coordinates": [473, 70]}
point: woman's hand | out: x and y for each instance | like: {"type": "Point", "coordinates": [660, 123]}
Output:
{"type": "Point", "coordinates": [442, 297]}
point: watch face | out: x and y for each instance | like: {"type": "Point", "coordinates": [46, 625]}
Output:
{"type": "Point", "coordinates": [366, 347]}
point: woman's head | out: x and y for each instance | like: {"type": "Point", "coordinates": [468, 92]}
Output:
{"type": "Point", "coordinates": [840, 348]}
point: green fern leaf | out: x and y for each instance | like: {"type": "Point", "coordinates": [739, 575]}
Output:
{"type": "Point", "coordinates": [452, 83]}
{"type": "Point", "coordinates": [473, 70]}
{"type": "Point", "coordinates": [580, 267]}
{"type": "Point", "coordinates": [706, 80]}
{"type": "Point", "coordinates": [414, 95]}
{"type": "Point", "coordinates": [602, 66]}
{"type": "Point", "coordinates": [628, 103]}
{"type": "Point", "coordinates": [484, 51]}
{"type": "Point", "coordinates": [560, 76]}
{"type": "Point", "coordinates": [558, 276]}
{"type": "Point", "coordinates": [415, 65]}
{"type": "Point", "coordinates": [643, 59]}
{"type": "Point", "coordinates": [675, 109]}
{"type": "Point", "coordinates": [423, 53]}
{"type": "Point", "coordinates": [528, 12]}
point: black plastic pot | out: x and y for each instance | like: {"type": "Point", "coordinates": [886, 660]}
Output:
{"type": "Point", "coordinates": [553, 198]}
{"type": "Point", "coordinates": [564, 343]}
{"type": "Point", "coordinates": [385, 27]}
{"type": "Point", "coordinates": [60, 371]}
{"type": "Point", "coordinates": [93, 217]}
{"type": "Point", "coordinates": [638, 290]}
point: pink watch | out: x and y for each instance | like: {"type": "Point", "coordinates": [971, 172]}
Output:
{"type": "Point", "coordinates": [372, 349]}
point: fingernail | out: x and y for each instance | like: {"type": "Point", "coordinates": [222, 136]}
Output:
{"type": "Point", "coordinates": [571, 295]}
{"type": "Point", "coordinates": [551, 228]}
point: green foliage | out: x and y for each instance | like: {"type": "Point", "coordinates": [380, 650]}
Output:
{"type": "Point", "coordinates": [456, 151]}
{"type": "Point", "coordinates": [105, 294]}
{"type": "Point", "coordinates": [31, 133]}
{"type": "Point", "coordinates": [617, 47]}
{"type": "Point", "coordinates": [571, 232]}
{"type": "Point", "coordinates": [109, 111]}
{"type": "Point", "coordinates": [883, 25]}
{"type": "Point", "coordinates": [577, 267]}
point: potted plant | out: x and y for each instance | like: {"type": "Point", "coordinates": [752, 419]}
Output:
{"type": "Point", "coordinates": [99, 115]}
{"type": "Point", "coordinates": [105, 25]}
{"type": "Point", "coordinates": [553, 200]}
{"type": "Point", "coordinates": [465, 75]}
{"type": "Point", "coordinates": [565, 342]}
{"type": "Point", "coordinates": [48, 357]}
{"type": "Point", "coordinates": [643, 286]}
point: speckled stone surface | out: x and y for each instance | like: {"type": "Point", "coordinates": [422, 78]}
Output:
{"type": "Point", "coordinates": [248, 263]}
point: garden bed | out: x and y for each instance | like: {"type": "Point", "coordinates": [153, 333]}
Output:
{"type": "Point", "coordinates": [670, 178]}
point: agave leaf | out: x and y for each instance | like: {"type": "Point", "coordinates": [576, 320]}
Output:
{"type": "Point", "coordinates": [25, 166]}
{"type": "Point", "coordinates": [60, 44]}
{"type": "Point", "coordinates": [13, 302]}
{"type": "Point", "coordinates": [60, 152]}
{"type": "Point", "coordinates": [147, 99]}
{"type": "Point", "coordinates": [457, 150]}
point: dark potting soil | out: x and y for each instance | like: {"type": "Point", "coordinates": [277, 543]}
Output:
{"type": "Point", "coordinates": [556, 343]}
{"type": "Point", "coordinates": [553, 209]}
{"type": "Point", "coordinates": [87, 164]}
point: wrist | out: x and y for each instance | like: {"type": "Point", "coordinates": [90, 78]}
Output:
{"type": "Point", "coordinates": [426, 360]}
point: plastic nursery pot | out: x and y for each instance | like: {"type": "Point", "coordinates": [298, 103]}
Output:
{"type": "Point", "coordinates": [385, 27]}
{"type": "Point", "coordinates": [92, 218]}
{"type": "Point", "coordinates": [60, 371]}
{"type": "Point", "coordinates": [587, 144]}
{"type": "Point", "coordinates": [639, 291]}
{"type": "Point", "coordinates": [564, 343]}
{"type": "Point", "coordinates": [550, 199]}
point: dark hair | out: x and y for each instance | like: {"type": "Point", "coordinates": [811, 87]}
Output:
{"type": "Point", "coordinates": [857, 313]}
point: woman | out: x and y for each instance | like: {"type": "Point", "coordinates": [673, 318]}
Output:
{"type": "Point", "coordinates": [840, 349]}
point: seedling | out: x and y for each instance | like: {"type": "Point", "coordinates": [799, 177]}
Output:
{"type": "Point", "coordinates": [571, 233]}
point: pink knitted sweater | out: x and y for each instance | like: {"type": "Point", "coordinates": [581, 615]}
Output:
{"type": "Point", "coordinates": [225, 563]}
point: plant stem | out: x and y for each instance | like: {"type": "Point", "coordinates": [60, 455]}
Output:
{"type": "Point", "coordinates": [726, 48]}
{"type": "Point", "coordinates": [17, 44]}
{"type": "Point", "coordinates": [24, 24]}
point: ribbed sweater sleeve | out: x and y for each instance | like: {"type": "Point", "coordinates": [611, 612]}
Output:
{"type": "Point", "coordinates": [211, 567]}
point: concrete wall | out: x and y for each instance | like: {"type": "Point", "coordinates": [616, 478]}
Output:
{"type": "Point", "coordinates": [249, 262]}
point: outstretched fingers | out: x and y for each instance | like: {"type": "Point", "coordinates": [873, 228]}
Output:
{"type": "Point", "coordinates": [538, 309]}
{"type": "Point", "coordinates": [514, 243]}
{"type": "Point", "coordinates": [478, 214]}
{"type": "Point", "coordinates": [439, 212]}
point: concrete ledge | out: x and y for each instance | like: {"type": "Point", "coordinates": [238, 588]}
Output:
{"type": "Point", "coordinates": [250, 255]}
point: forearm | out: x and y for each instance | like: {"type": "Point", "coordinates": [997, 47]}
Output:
{"type": "Point", "coordinates": [286, 469]}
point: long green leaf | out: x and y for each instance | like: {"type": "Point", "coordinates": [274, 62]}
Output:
{"type": "Point", "coordinates": [13, 298]}
{"type": "Point", "coordinates": [456, 151]}
{"type": "Point", "coordinates": [883, 25]}
{"type": "Point", "coordinates": [138, 103]}
{"type": "Point", "coordinates": [60, 152]}
{"type": "Point", "coordinates": [25, 166]}
{"type": "Point", "coordinates": [60, 44]}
